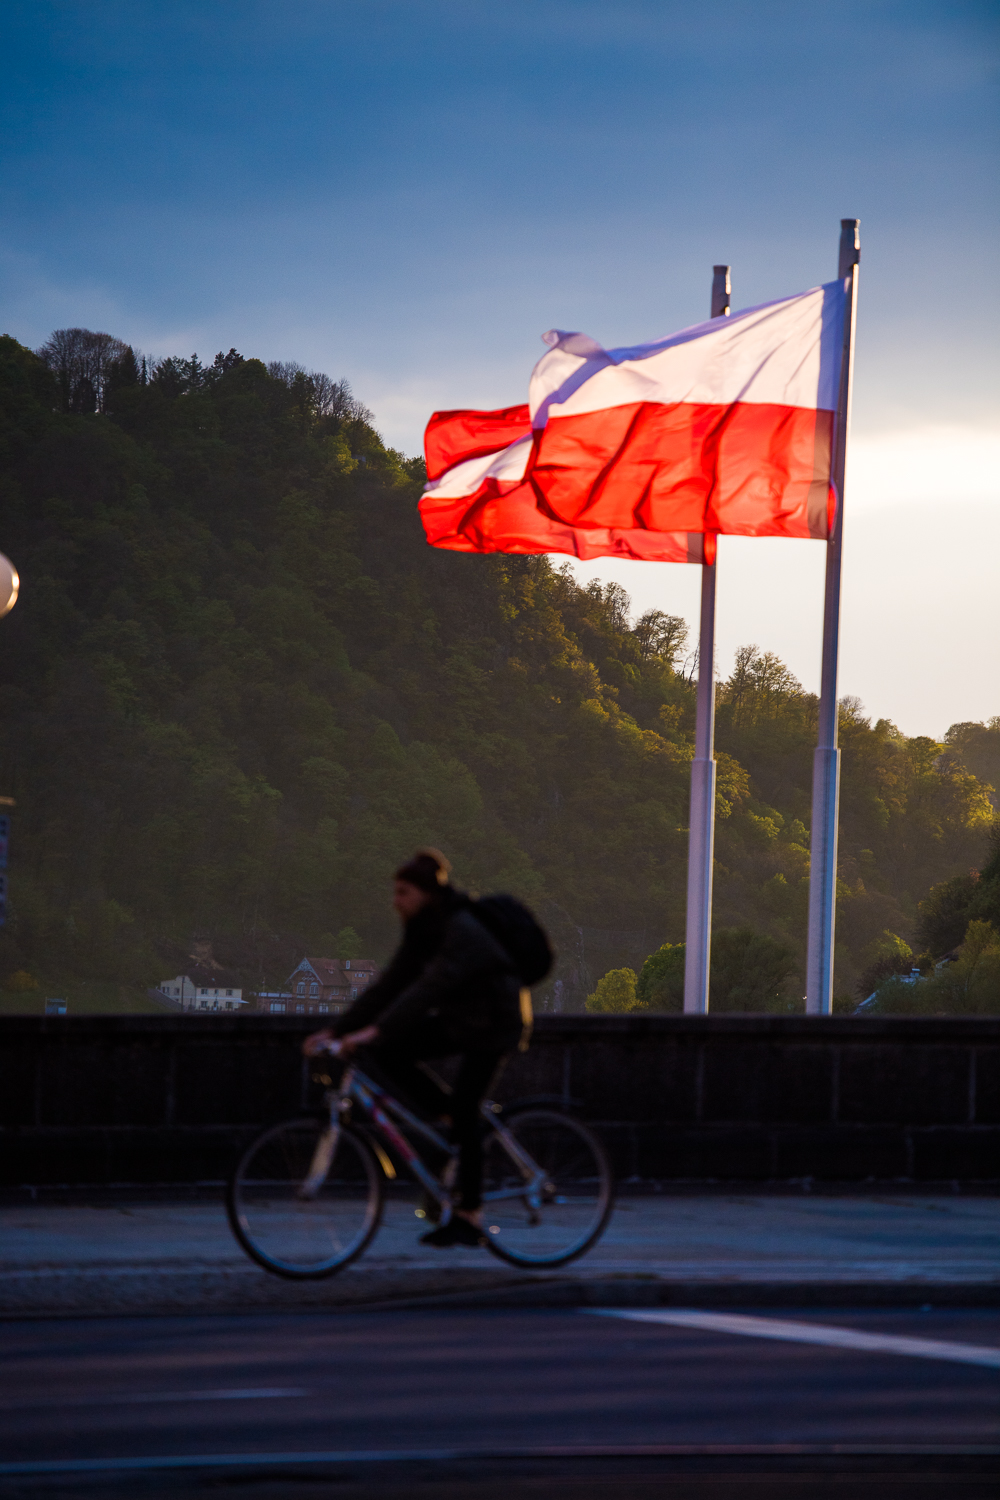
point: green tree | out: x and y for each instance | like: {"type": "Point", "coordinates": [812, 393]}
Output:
{"type": "Point", "coordinates": [749, 971]}
{"type": "Point", "coordinates": [972, 985]}
{"type": "Point", "coordinates": [660, 635]}
{"type": "Point", "coordinates": [660, 985]}
{"type": "Point", "coordinates": [885, 956]}
{"type": "Point", "coordinates": [949, 907]}
{"type": "Point", "coordinates": [969, 986]}
{"type": "Point", "coordinates": [349, 945]}
{"type": "Point", "coordinates": [21, 982]}
{"type": "Point", "coordinates": [944, 913]}
{"type": "Point", "coordinates": [985, 903]}
{"type": "Point", "coordinates": [976, 748]}
{"type": "Point", "coordinates": [615, 994]}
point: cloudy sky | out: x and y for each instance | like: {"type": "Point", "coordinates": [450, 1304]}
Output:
{"type": "Point", "coordinates": [407, 193]}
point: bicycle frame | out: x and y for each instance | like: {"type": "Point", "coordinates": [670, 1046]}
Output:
{"type": "Point", "coordinates": [380, 1106]}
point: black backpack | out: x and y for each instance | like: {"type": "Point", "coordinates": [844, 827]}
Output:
{"type": "Point", "coordinates": [518, 932]}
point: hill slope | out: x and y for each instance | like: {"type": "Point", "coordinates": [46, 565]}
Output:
{"type": "Point", "coordinates": [239, 688]}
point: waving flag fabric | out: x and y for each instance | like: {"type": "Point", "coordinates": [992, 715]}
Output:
{"type": "Point", "coordinates": [641, 452]}
{"type": "Point", "coordinates": [460, 436]}
{"type": "Point", "coordinates": [478, 498]}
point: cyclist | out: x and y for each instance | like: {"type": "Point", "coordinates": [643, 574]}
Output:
{"type": "Point", "coordinates": [450, 990]}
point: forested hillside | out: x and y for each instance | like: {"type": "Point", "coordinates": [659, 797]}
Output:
{"type": "Point", "coordinates": [238, 688]}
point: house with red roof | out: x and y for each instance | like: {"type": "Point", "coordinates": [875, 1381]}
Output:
{"type": "Point", "coordinates": [322, 986]}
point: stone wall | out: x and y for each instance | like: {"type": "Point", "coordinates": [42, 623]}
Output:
{"type": "Point", "coordinates": [742, 1099]}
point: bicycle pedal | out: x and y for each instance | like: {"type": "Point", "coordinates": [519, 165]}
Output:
{"type": "Point", "coordinates": [428, 1209]}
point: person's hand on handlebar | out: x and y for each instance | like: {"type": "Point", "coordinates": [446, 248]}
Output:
{"type": "Point", "coordinates": [317, 1043]}
{"type": "Point", "coordinates": [323, 1041]}
{"type": "Point", "coordinates": [363, 1038]}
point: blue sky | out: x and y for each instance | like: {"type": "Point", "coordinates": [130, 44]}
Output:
{"type": "Point", "coordinates": [408, 192]}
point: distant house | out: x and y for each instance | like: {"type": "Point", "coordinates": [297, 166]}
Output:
{"type": "Point", "coordinates": [914, 977]}
{"type": "Point", "coordinates": [321, 987]}
{"type": "Point", "coordinates": [204, 989]}
{"type": "Point", "coordinates": [273, 1002]}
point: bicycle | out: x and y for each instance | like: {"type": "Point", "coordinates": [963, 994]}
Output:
{"type": "Point", "coordinates": [306, 1197]}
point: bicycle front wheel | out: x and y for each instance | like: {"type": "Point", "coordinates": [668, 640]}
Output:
{"type": "Point", "coordinates": [292, 1217]}
{"type": "Point", "coordinates": [548, 1194]}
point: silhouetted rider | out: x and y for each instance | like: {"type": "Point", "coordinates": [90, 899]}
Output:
{"type": "Point", "coordinates": [450, 990]}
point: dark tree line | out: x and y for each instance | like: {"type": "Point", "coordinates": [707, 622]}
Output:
{"type": "Point", "coordinates": [90, 367]}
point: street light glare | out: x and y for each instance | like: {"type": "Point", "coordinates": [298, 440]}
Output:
{"type": "Point", "coordinates": [9, 585]}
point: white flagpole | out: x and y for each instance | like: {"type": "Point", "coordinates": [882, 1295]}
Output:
{"type": "Point", "coordinates": [701, 837]}
{"type": "Point", "coordinates": [826, 759]}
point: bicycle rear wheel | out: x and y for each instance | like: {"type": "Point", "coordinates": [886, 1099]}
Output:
{"type": "Point", "coordinates": [285, 1226]}
{"type": "Point", "coordinates": [551, 1215]}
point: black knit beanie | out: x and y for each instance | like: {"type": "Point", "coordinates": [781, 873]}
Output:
{"type": "Point", "coordinates": [428, 870]}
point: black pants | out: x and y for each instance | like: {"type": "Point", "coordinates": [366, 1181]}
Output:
{"type": "Point", "coordinates": [400, 1062]}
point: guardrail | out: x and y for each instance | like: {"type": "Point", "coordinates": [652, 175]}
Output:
{"type": "Point", "coordinates": [745, 1099]}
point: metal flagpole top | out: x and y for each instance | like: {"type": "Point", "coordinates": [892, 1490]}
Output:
{"type": "Point", "coordinates": [721, 288]}
{"type": "Point", "coordinates": [850, 246]}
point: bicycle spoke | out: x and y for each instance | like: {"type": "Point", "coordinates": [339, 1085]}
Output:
{"type": "Point", "coordinates": [305, 1199]}
{"type": "Point", "coordinates": [561, 1206]}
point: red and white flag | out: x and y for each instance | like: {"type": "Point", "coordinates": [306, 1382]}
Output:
{"type": "Point", "coordinates": [642, 452]}
{"type": "Point", "coordinates": [479, 497]}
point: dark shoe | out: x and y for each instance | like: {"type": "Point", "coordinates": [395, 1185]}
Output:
{"type": "Point", "coordinates": [457, 1231]}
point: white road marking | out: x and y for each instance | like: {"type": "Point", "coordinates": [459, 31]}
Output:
{"type": "Point", "coordinates": [810, 1333]}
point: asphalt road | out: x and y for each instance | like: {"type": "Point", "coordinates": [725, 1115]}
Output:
{"type": "Point", "coordinates": [487, 1403]}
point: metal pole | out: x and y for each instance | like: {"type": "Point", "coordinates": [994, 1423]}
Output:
{"type": "Point", "coordinates": [701, 837]}
{"type": "Point", "coordinates": [826, 758]}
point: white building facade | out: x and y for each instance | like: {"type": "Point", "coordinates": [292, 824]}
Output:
{"type": "Point", "coordinates": [204, 991]}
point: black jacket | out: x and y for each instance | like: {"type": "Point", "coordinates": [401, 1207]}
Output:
{"type": "Point", "coordinates": [447, 966]}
